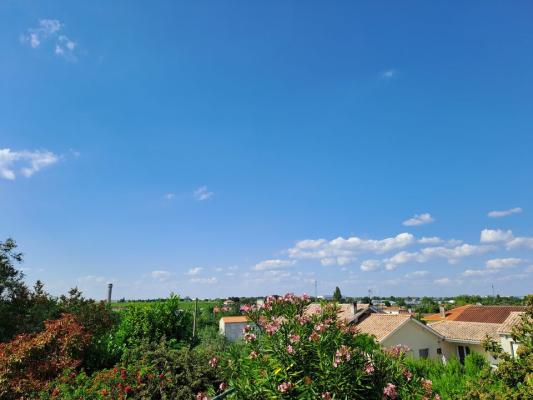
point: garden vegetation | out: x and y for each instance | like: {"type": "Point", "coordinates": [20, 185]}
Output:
{"type": "Point", "coordinates": [75, 348]}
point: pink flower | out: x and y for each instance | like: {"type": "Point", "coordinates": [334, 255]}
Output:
{"type": "Point", "coordinates": [315, 337]}
{"type": "Point", "coordinates": [437, 397]}
{"type": "Point", "coordinates": [302, 319]}
{"type": "Point", "coordinates": [222, 386]}
{"type": "Point", "coordinates": [213, 362]}
{"type": "Point", "coordinates": [342, 355]}
{"type": "Point", "coordinates": [201, 396]}
{"type": "Point", "coordinates": [247, 308]}
{"type": "Point", "coordinates": [246, 329]}
{"type": "Point", "coordinates": [407, 374]}
{"type": "Point", "coordinates": [321, 328]}
{"type": "Point", "coordinates": [250, 337]}
{"type": "Point", "coordinates": [369, 368]}
{"type": "Point", "coordinates": [253, 355]}
{"type": "Point", "coordinates": [285, 387]}
{"type": "Point", "coordinates": [294, 338]}
{"type": "Point", "coordinates": [304, 297]}
{"type": "Point", "coordinates": [390, 391]}
{"type": "Point", "coordinates": [427, 385]}
{"type": "Point", "coordinates": [326, 396]}
{"type": "Point", "coordinates": [290, 349]}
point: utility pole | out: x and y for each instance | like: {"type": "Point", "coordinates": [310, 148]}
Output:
{"type": "Point", "coordinates": [194, 317]}
{"type": "Point", "coordinates": [493, 295]}
{"type": "Point", "coordinates": [316, 289]}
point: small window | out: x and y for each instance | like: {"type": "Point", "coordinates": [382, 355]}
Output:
{"type": "Point", "coordinates": [423, 353]}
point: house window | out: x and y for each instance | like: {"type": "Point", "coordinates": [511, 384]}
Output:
{"type": "Point", "coordinates": [423, 353]}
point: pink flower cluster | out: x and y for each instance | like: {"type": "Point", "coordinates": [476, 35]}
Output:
{"type": "Point", "coordinates": [407, 374]}
{"type": "Point", "coordinates": [326, 396]}
{"type": "Point", "coordinates": [390, 392]}
{"type": "Point", "coordinates": [201, 396]}
{"type": "Point", "coordinates": [302, 319]}
{"type": "Point", "coordinates": [285, 387]}
{"type": "Point", "coordinates": [342, 355]}
{"type": "Point", "coordinates": [294, 338]}
{"type": "Point", "coordinates": [213, 362]}
{"type": "Point", "coordinates": [248, 307]}
{"type": "Point", "coordinates": [397, 351]}
{"type": "Point", "coordinates": [272, 326]}
{"type": "Point", "coordinates": [427, 385]}
{"type": "Point", "coordinates": [290, 349]}
{"type": "Point", "coordinates": [253, 355]}
{"type": "Point", "coordinates": [369, 368]}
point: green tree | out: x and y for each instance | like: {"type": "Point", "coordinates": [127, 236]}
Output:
{"type": "Point", "coordinates": [337, 295]}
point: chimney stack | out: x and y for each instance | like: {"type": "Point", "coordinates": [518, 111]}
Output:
{"type": "Point", "coordinates": [109, 290]}
{"type": "Point", "coordinates": [442, 311]}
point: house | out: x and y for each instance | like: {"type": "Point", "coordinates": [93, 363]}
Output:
{"type": "Point", "coordinates": [402, 329]}
{"type": "Point", "coordinates": [465, 328]}
{"type": "Point", "coordinates": [232, 327]}
{"type": "Point", "coordinates": [349, 312]}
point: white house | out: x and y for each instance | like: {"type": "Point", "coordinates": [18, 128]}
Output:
{"type": "Point", "coordinates": [401, 329]}
{"type": "Point", "coordinates": [232, 327]}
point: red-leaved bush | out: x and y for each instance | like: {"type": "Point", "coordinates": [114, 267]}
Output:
{"type": "Point", "coordinates": [29, 361]}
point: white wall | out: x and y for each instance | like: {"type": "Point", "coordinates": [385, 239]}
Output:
{"type": "Point", "coordinates": [415, 337]}
{"type": "Point", "coordinates": [232, 330]}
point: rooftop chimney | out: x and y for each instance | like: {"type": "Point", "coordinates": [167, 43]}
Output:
{"type": "Point", "coordinates": [109, 290]}
{"type": "Point", "coordinates": [442, 311]}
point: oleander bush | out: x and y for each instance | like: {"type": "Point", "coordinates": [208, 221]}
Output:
{"type": "Point", "coordinates": [291, 355]}
{"type": "Point", "coordinates": [30, 361]}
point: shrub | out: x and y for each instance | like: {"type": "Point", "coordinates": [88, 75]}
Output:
{"type": "Point", "coordinates": [29, 361]}
{"type": "Point", "coordinates": [152, 371]}
{"type": "Point", "coordinates": [152, 322]}
{"type": "Point", "coordinates": [289, 354]}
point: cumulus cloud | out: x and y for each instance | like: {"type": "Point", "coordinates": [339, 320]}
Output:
{"type": "Point", "coordinates": [370, 265]}
{"type": "Point", "coordinates": [452, 255]}
{"type": "Point", "coordinates": [202, 193]}
{"type": "Point", "coordinates": [26, 162]}
{"type": "Point", "coordinates": [417, 274]}
{"type": "Point", "coordinates": [495, 235]}
{"type": "Point", "coordinates": [342, 251]}
{"type": "Point", "coordinates": [507, 237]}
{"type": "Point", "coordinates": [50, 30]}
{"type": "Point", "coordinates": [504, 213]}
{"type": "Point", "coordinates": [443, 281]}
{"type": "Point", "coordinates": [499, 263]}
{"type": "Point", "coordinates": [161, 275]}
{"type": "Point", "coordinates": [194, 271]}
{"type": "Point", "coordinates": [417, 219]}
{"type": "Point", "coordinates": [273, 264]}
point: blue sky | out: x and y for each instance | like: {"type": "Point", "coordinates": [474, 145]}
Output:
{"type": "Point", "coordinates": [246, 148]}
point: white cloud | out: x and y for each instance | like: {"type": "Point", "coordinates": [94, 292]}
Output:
{"type": "Point", "coordinates": [169, 196]}
{"type": "Point", "coordinates": [161, 275]}
{"type": "Point", "coordinates": [202, 193]}
{"type": "Point", "coordinates": [370, 265]}
{"type": "Point", "coordinates": [524, 242]}
{"type": "Point", "coordinates": [93, 279]}
{"type": "Point", "coordinates": [495, 235]}
{"type": "Point", "coordinates": [498, 263]}
{"type": "Point", "coordinates": [430, 240]}
{"type": "Point", "coordinates": [273, 264]}
{"type": "Point", "coordinates": [342, 251]}
{"type": "Point", "coordinates": [389, 74]}
{"type": "Point", "coordinates": [442, 281]}
{"type": "Point", "coordinates": [504, 213]}
{"type": "Point", "coordinates": [205, 281]}
{"type": "Point", "coordinates": [49, 30]}
{"type": "Point", "coordinates": [452, 255]}
{"type": "Point", "coordinates": [477, 272]}
{"type": "Point", "coordinates": [421, 219]}
{"type": "Point", "coordinates": [194, 271]}
{"type": "Point", "coordinates": [28, 162]}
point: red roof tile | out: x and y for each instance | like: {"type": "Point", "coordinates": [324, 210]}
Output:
{"type": "Point", "coordinates": [490, 314]}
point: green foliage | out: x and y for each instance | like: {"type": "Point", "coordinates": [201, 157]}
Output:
{"type": "Point", "coordinates": [152, 322]}
{"type": "Point", "coordinates": [150, 371]}
{"type": "Point", "coordinates": [290, 354]}
{"type": "Point", "coordinates": [337, 295]}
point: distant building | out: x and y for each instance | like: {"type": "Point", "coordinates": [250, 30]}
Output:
{"type": "Point", "coordinates": [232, 327]}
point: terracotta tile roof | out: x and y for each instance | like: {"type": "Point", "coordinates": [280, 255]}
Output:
{"type": "Point", "coordinates": [490, 314]}
{"type": "Point", "coordinates": [514, 318]}
{"type": "Point", "coordinates": [234, 320]}
{"type": "Point", "coordinates": [473, 313]}
{"type": "Point", "coordinates": [451, 315]}
{"type": "Point", "coordinates": [382, 325]}
{"type": "Point", "coordinates": [473, 332]}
